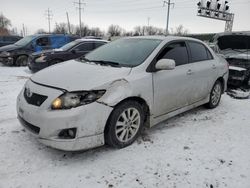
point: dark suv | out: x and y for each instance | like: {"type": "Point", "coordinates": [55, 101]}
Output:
{"type": "Point", "coordinates": [72, 50]}
{"type": "Point", "coordinates": [6, 40]}
{"type": "Point", "coordinates": [18, 53]}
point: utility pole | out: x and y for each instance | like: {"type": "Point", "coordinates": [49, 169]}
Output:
{"type": "Point", "coordinates": [148, 21]}
{"type": "Point", "coordinates": [168, 3]}
{"type": "Point", "coordinates": [23, 31]}
{"type": "Point", "coordinates": [49, 17]}
{"type": "Point", "coordinates": [80, 8]}
{"type": "Point", "coordinates": [68, 22]}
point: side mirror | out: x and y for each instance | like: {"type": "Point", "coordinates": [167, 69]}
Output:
{"type": "Point", "coordinates": [73, 51]}
{"type": "Point", "coordinates": [165, 64]}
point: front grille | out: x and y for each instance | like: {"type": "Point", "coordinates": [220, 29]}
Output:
{"type": "Point", "coordinates": [29, 126]}
{"type": "Point", "coordinates": [34, 98]}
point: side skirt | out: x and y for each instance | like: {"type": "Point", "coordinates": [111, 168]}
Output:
{"type": "Point", "coordinates": [156, 120]}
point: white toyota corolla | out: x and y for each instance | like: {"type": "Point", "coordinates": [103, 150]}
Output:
{"type": "Point", "coordinates": [111, 93]}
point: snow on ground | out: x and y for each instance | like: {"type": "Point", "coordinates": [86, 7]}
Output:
{"type": "Point", "coordinates": [201, 148]}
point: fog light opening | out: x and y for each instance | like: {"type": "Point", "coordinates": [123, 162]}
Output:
{"type": "Point", "coordinates": [67, 133]}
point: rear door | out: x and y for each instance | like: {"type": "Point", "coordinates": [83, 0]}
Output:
{"type": "Point", "coordinates": [203, 70]}
{"type": "Point", "coordinates": [172, 87]}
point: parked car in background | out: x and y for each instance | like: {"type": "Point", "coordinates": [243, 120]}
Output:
{"type": "Point", "coordinates": [72, 50]}
{"type": "Point", "coordinates": [10, 39]}
{"type": "Point", "coordinates": [235, 47]}
{"type": "Point", "coordinates": [17, 54]}
{"type": "Point", "coordinates": [108, 96]}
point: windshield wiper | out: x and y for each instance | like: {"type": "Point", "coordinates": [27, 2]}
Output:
{"type": "Point", "coordinates": [102, 62]}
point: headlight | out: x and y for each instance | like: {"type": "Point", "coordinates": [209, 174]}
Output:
{"type": "Point", "coordinates": [41, 59]}
{"type": "Point", "coordinates": [6, 54]}
{"type": "Point", "coordinates": [75, 99]}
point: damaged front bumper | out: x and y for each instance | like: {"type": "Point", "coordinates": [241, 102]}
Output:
{"type": "Point", "coordinates": [7, 60]}
{"type": "Point", "coordinates": [238, 77]}
{"type": "Point", "coordinates": [89, 122]}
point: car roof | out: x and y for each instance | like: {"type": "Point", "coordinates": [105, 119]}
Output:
{"type": "Point", "coordinates": [167, 38]}
{"type": "Point", "coordinates": [90, 40]}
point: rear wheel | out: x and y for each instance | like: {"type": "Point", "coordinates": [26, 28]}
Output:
{"type": "Point", "coordinates": [215, 95]}
{"type": "Point", "coordinates": [124, 124]}
{"type": "Point", "coordinates": [21, 60]}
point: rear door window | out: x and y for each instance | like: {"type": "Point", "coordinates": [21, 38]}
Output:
{"type": "Point", "coordinates": [176, 51]}
{"type": "Point", "coordinates": [85, 47]}
{"type": "Point", "coordinates": [98, 44]}
{"type": "Point", "coordinates": [199, 52]}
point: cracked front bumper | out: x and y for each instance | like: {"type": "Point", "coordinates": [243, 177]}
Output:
{"type": "Point", "coordinates": [90, 121]}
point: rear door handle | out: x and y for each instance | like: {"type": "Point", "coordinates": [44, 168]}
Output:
{"type": "Point", "coordinates": [214, 67]}
{"type": "Point", "coordinates": [189, 72]}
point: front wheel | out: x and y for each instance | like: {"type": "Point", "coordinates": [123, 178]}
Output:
{"type": "Point", "coordinates": [215, 95]}
{"type": "Point", "coordinates": [124, 124]}
{"type": "Point", "coordinates": [22, 60]}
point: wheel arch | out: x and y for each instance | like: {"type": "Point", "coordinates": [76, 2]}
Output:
{"type": "Point", "coordinates": [222, 81]}
{"type": "Point", "coordinates": [138, 99]}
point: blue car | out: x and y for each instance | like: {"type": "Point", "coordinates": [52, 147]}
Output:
{"type": "Point", "coordinates": [17, 54]}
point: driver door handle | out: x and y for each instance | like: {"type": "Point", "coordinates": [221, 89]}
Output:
{"type": "Point", "coordinates": [190, 72]}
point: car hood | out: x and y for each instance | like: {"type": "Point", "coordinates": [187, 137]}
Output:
{"type": "Point", "coordinates": [10, 47]}
{"type": "Point", "coordinates": [74, 75]}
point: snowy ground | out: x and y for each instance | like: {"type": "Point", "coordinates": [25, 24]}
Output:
{"type": "Point", "coordinates": [201, 148]}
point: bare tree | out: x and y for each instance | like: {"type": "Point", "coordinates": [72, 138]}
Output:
{"type": "Point", "coordinates": [115, 30]}
{"type": "Point", "coordinates": [147, 30]}
{"type": "Point", "coordinates": [85, 31]}
{"type": "Point", "coordinates": [4, 22]}
{"type": "Point", "coordinates": [96, 31]}
{"type": "Point", "coordinates": [180, 31]}
{"type": "Point", "coordinates": [41, 31]}
{"type": "Point", "coordinates": [61, 28]}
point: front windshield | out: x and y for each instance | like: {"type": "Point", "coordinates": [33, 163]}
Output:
{"type": "Point", "coordinates": [69, 45]}
{"type": "Point", "coordinates": [128, 52]}
{"type": "Point", "coordinates": [24, 41]}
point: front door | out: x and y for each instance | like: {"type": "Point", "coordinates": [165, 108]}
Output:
{"type": "Point", "coordinates": [172, 87]}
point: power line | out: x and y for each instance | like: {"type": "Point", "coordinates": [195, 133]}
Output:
{"type": "Point", "coordinates": [80, 8]}
{"type": "Point", "coordinates": [49, 16]}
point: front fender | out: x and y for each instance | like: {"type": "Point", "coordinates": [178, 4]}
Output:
{"type": "Point", "coordinates": [117, 91]}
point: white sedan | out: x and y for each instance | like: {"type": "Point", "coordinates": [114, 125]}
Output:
{"type": "Point", "coordinates": [108, 96]}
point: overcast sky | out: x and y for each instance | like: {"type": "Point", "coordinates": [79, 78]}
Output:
{"type": "Point", "coordinates": [126, 13]}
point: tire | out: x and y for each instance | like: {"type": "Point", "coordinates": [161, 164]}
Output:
{"type": "Point", "coordinates": [21, 60]}
{"type": "Point", "coordinates": [215, 95]}
{"type": "Point", "coordinates": [124, 124]}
